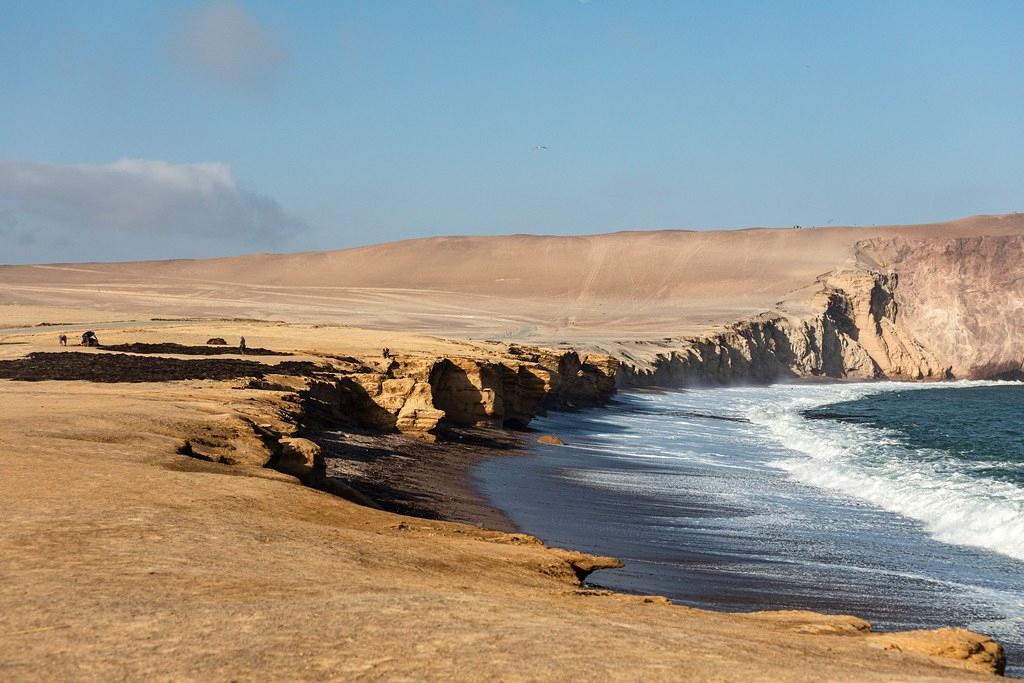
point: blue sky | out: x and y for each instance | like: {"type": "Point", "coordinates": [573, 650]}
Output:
{"type": "Point", "coordinates": [179, 129]}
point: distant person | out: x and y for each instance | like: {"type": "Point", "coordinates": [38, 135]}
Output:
{"type": "Point", "coordinates": [386, 352]}
{"type": "Point", "coordinates": [241, 345]}
{"type": "Point", "coordinates": [90, 339]}
{"type": "Point", "coordinates": [63, 340]}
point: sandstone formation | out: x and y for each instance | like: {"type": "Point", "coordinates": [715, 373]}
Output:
{"type": "Point", "coordinates": [856, 331]}
{"type": "Point", "coordinates": [962, 298]}
{"type": "Point", "coordinates": [298, 457]}
{"type": "Point", "coordinates": [191, 568]}
{"type": "Point", "coordinates": [904, 309]}
{"type": "Point", "coordinates": [414, 396]}
{"type": "Point", "coordinates": [964, 648]}
{"type": "Point", "coordinates": [204, 471]}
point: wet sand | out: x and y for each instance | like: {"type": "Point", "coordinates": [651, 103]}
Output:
{"type": "Point", "coordinates": [430, 480]}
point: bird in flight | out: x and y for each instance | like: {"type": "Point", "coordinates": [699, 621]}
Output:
{"type": "Point", "coordinates": [541, 147]}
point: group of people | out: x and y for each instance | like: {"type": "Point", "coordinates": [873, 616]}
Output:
{"type": "Point", "coordinates": [89, 338]}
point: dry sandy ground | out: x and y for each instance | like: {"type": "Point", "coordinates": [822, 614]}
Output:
{"type": "Point", "coordinates": [306, 341]}
{"type": "Point", "coordinates": [122, 560]}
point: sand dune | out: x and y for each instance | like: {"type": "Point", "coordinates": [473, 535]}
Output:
{"type": "Point", "coordinates": [652, 284]}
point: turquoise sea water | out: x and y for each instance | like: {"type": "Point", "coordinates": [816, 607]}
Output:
{"type": "Point", "coordinates": [977, 432]}
{"type": "Point", "coordinates": [903, 504]}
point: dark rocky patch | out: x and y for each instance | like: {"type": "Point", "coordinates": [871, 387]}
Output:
{"type": "Point", "coordinates": [184, 350]}
{"type": "Point", "coordinates": [119, 367]}
{"type": "Point", "coordinates": [1012, 371]}
{"type": "Point", "coordinates": [419, 478]}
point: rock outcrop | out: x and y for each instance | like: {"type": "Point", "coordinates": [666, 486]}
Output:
{"type": "Point", "coordinates": [900, 308]}
{"type": "Point", "coordinates": [962, 298]}
{"type": "Point", "coordinates": [959, 647]}
{"type": "Point", "coordinates": [415, 396]}
{"type": "Point", "coordinates": [956, 647]}
{"type": "Point", "coordinates": [856, 332]}
{"type": "Point", "coordinates": [299, 457]}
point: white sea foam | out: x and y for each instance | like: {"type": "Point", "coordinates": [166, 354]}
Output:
{"type": "Point", "coordinates": [820, 507]}
{"type": "Point", "coordinates": [867, 463]}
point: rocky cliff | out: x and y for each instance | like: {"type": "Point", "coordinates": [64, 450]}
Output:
{"type": "Point", "coordinates": [856, 332]}
{"type": "Point", "coordinates": [962, 298]}
{"type": "Point", "coordinates": [415, 396]}
{"type": "Point", "coordinates": [905, 309]}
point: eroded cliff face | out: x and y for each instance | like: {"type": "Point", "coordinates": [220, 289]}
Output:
{"type": "Point", "coordinates": [415, 396]}
{"type": "Point", "coordinates": [856, 331]}
{"type": "Point", "coordinates": [963, 299]}
{"type": "Point", "coordinates": [412, 396]}
{"type": "Point", "coordinates": [904, 309]}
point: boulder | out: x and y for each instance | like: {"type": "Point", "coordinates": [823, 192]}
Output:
{"type": "Point", "coordinates": [418, 414]}
{"type": "Point", "coordinates": [299, 457]}
{"type": "Point", "coordinates": [955, 646]}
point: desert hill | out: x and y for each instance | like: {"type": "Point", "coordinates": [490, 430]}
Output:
{"type": "Point", "coordinates": [598, 290]}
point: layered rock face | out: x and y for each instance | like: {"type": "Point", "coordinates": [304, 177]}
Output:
{"type": "Point", "coordinates": [905, 309]}
{"type": "Point", "coordinates": [857, 332]}
{"type": "Point", "coordinates": [963, 299]}
{"type": "Point", "coordinates": [414, 396]}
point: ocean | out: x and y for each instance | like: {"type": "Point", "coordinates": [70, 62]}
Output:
{"type": "Point", "coordinates": [902, 504]}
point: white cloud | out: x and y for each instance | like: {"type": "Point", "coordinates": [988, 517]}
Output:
{"type": "Point", "coordinates": [142, 196]}
{"type": "Point", "coordinates": [223, 43]}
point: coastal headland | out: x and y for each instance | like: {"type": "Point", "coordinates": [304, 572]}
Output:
{"type": "Point", "coordinates": [178, 510]}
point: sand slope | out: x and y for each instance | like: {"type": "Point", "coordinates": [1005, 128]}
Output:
{"type": "Point", "coordinates": [639, 284]}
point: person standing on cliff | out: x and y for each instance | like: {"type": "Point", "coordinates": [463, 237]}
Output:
{"type": "Point", "coordinates": [241, 345]}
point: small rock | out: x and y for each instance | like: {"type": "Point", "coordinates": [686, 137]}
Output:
{"type": "Point", "coordinates": [299, 457]}
{"type": "Point", "coordinates": [956, 646]}
{"type": "Point", "coordinates": [655, 600]}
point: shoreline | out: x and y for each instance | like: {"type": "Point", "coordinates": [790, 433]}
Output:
{"type": "Point", "coordinates": [343, 585]}
{"type": "Point", "coordinates": [417, 478]}
{"type": "Point", "coordinates": [694, 565]}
